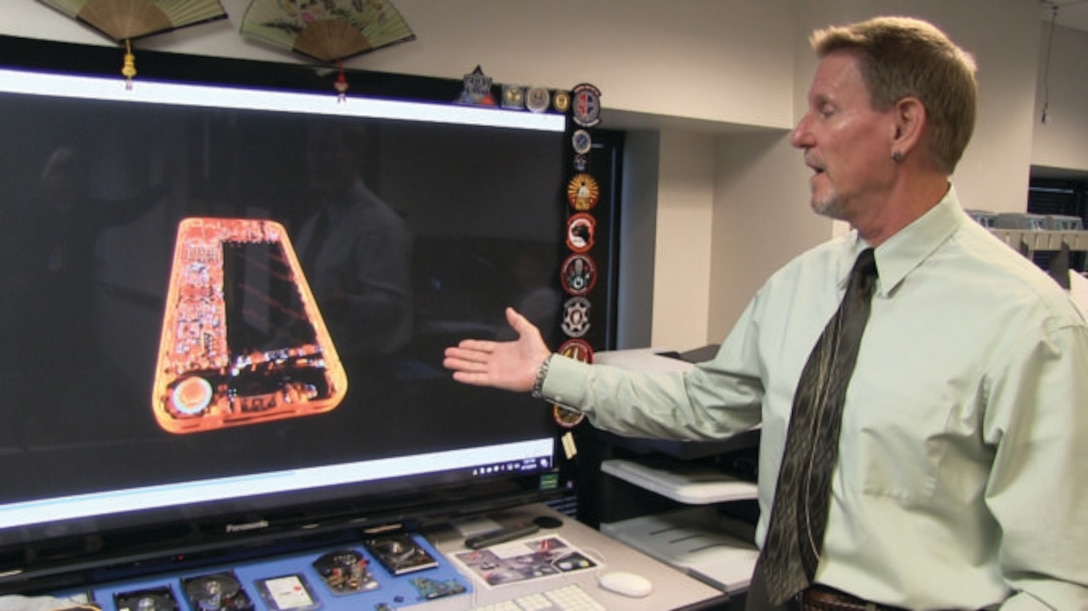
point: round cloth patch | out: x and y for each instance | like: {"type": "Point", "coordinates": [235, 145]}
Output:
{"type": "Point", "coordinates": [578, 274]}
{"type": "Point", "coordinates": [575, 317]}
{"type": "Point", "coordinates": [583, 192]}
{"type": "Point", "coordinates": [580, 230]}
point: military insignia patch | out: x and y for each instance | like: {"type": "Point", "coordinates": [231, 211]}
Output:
{"type": "Point", "coordinates": [578, 274]}
{"type": "Point", "coordinates": [513, 97]}
{"type": "Point", "coordinates": [581, 161]}
{"type": "Point", "coordinates": [575, 317]}
{"type": "Point", "coordinates": [561, 101]}
{"type": "Point", "coordinates": [537, 99]}
{"type": "Point", "coordinates": [583, 192]}
{"type": "Point", "coordinates": [586, 105]}
{"type": "Point", "coordinates": [580, 230]}
{"type": "Point", "coordinates": [477, 91]}
{"type": "Point", "coordinates": [566, 418]}
{"type": "Point", "coordinates": [581, 141]}
{"type": "Point", "coordinates": [577, 349]}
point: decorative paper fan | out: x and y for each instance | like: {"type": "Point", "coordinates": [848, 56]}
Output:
{"type": "Point", "coordinates": [125, 20]}
{"type": "Point", "coordinates": [326, 30]}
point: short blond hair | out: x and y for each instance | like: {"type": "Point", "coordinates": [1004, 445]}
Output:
{"type": "Point", "coordinates": [903, 57]}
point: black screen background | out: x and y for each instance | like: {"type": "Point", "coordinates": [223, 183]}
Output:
{"type": "Point", "coordinates": [86, 282]}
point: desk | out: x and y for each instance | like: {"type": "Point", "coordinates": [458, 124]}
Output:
{"type": "Point", "coordinates": [672, 588]}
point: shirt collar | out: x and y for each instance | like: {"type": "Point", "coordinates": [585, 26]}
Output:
{"type": "Point", "coordinates": [910, 246]}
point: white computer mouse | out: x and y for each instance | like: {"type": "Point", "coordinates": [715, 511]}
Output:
{"type": "Point", "coordinates": [626, 583]}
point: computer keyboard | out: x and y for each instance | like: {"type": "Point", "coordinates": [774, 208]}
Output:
{"type": "Point", "coordinates": [566, 598]}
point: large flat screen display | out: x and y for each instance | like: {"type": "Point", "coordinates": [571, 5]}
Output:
{"type": "Point", "coordinates": [224, 307]}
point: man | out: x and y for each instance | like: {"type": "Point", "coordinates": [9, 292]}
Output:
{"type": "Point", "coordinates": [959, 481]}
{"type": "Point", "coordinates": [355, 250]}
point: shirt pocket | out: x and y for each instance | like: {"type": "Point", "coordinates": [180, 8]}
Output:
{"type": "Point", "coordinates": [893, 442]}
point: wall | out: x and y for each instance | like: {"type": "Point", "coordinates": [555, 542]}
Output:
{"type": "Point", "coordinates": [638, 236]}
{"type": "Point", "coordinates": [681, 58]}
{"type": "Point", "coordinates": [682, 278]}
{"type": "Point", "coordinates": [762, 220]}
{"type": "Point", "coordinates": [711, 88]}
{"type": "Point", "coordinates": [1060, 143]}
{"type": "Point", "coordinates": [761, 213]}
{"type": "Point", "coordinates": [993, 173]}
{"type": "Point", "coordinates": [760, 207]}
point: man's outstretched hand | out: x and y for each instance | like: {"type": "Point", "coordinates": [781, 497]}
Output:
{"type": "Point", "coordinates": [510, 365]}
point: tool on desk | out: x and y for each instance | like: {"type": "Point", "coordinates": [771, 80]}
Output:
{"type": "Point", "coordinates": [400, 553]}
{"type": "Point", "coordinates": [500, 536]}
{"type": "Point", "coordinates": [547, 522]}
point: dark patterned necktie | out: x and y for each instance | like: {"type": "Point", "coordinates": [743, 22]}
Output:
{"type": "Point", "coordinates": [799, 514]}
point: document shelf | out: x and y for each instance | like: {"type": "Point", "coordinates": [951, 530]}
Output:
{"type": "Point", "coordinates": [692, 484]}
{"type": "Point", "coordinates": [717, 551]}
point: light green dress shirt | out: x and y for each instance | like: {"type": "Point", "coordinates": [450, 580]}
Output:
{"type": "Point", "coordinates": [963, 464]}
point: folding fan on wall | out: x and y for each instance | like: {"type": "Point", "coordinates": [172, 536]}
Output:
{"type": "Point", "coordinates": [326, 30]}
{"type": "Point", "coordinates": [125, 20]}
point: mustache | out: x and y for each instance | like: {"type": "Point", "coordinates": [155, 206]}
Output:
{"type": "Point", "coordinates": [813, 162]}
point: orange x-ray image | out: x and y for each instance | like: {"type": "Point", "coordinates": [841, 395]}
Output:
{"type": "Point", "coordinates": [242, 338]}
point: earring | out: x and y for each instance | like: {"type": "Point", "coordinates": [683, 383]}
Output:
{"type": "Point", "coordinates": [897, 156]}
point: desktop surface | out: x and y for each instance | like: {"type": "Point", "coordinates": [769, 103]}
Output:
{"type": "Point", "coordinates": [672, 589]}
{"type": "Point", "coordinates": [554, 567]}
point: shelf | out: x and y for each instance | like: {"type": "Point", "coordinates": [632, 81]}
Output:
{"type": "Point", "coordinates": [695, 540]}
{"type": "Point", "coordinates": [1043, 240]}
{"type": "Point", "coordinates": [689, 484]}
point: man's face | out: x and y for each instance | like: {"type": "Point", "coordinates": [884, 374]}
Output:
{"type": "Point", "coordinates": [845, 141]}
{"type": "Point", "coordinates": [332, 163]}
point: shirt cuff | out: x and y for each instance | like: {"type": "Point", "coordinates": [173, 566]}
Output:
{"type": "Point", "coordinates": [565, 383]}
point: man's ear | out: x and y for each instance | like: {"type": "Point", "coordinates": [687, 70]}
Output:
{"type": "Point", "coordinates": [910, 119]}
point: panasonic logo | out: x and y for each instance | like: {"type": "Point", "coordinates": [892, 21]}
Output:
{"type": "Point", "coordinates": [237, 528]}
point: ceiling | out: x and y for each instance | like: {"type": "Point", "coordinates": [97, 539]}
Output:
{"type": "Point", "coordinates": [1071, 13]}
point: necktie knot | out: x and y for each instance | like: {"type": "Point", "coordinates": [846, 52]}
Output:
{"type": "Point", "coordinates": [864, 274]}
